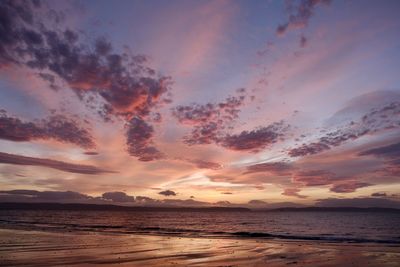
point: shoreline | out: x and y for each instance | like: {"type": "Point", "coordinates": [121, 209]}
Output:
{"type": "Point", "coordinates": [187, 233]}
{"type": "Point", "coordinates": [49, 248]}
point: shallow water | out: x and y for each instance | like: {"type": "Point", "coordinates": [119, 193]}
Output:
{"type": "Point", "coordinates": [44, 248]}
{"type": "Point", "coordinates": [359, 227]}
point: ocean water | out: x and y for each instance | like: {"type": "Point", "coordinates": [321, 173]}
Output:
{"type": "Point", "coordinates": [357, 227]}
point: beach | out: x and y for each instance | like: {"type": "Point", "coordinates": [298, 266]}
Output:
{"type": "Point", "coordinates": [79, 248]}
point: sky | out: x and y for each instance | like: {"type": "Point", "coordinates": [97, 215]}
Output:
{"type": "Point", "coordinates": [258, 103]}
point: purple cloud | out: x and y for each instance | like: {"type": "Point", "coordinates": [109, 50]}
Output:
{"type": "Point", "coordinates": [49, 163]}
{"type": "Point", "coordinates": [167, 193]}
{"type": "Point", "coordinates": [348, 187]}
{"type": "Point", "coordinates": [56, 127]}
{"type": "Point", "coordinates": [139, 140]}
{"type": "Point", "coordinates": [211, 120]}
{"type": "Point", "coordinates": [299, 15]}
{"type": "Point", "coordinates": [376, 120]}
{"type": "Point", "coordinates": [313, 177]}
{"type": "Point", "coordinates": [391, 156]}
{"type": "Point", "coordinates": [255, 140]}
{"type": "Point", "coordinates": [280, 168]}
{"type": "Point", "coordinates": [112, 83]}
{"type": "Point", "coordinates": [43, 196]}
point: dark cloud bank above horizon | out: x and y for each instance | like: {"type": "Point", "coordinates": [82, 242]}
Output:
{"type": "Point", "coordinates": [376, 200]}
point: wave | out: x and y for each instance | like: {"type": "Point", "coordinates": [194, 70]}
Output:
{"type": "Point", "coordinates": [315, 238]}
{"type": "Point", "coordinates": [32, 225]}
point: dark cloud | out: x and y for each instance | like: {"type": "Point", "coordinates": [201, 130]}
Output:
{"type": "Point", "coordinates": [49, 163]}
{"type": "Point", "coordinates": [299, 14]}
{"type": "Point", "coordinates": [118, 197]}
{"type": "Point", "coordinates": [348, 187]}
{"type": "Point", "coordinates": [43, 196]}
{"type": "Point", "coordinates": [256, 202]}
{"type": "Point", "coordinates": [139, 140]}
{"type": "Point", "coordinates": [211, 120]}
{"type": "Point", "coordinates": [362, 202]}
{"type": "Point", "coordinates": [293, 192]}
{"type": "Point", "coordinates": [91, 153]}
{"type": "Point", "coordinates": [167, 193]}
{"type": "Point", "coordinates": [29, 196]}
{"type": "Point", "coordinates": [112, 83]}
{"type": "Point", "coordinates": [313, 177]}
{"type": "Point", "coordinates": [386, 117]}
{"type": "Point", "coordinates": [56, 127]}
{"type": "Point", "coordinates": [389, 151]}
{"type": "Point", "coordinates": [279, 168]}
{"type": "Point", "coordinates": [224, 203]}
{"type": "Point", "coordinates": [212, 123]}
{"type": "Point", "coordinates": [226, 193]}
{"type": "Point", "coordinates": [255, 140]}
{"type": "Point", "coordinates": [339, 184]}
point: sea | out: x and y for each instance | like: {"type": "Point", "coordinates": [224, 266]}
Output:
{"type": "Point", "coordinates": [329, 226]}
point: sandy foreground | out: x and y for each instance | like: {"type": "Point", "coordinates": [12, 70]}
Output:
{"type": "Point", "coordinates": [35, 248]}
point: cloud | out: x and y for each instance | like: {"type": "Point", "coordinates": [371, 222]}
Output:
{"type": "Point", "coordinates": [379, 194]}
{"type": "Point", "coordinates": [49, 163]}
{"type": "Point", "coordinates": [256, 202]}
{"type": "Point", "coordinates": [56, 127]}
{"type": "Point", "coordinates": [389, 151]}
{"type": "Point", "coordinates": [362, 104]}
{"type": "Point", "coordinates": [212, 123]}
{"type": "Point", "coordinates": [139, 140]}
{"type": "Point", "coordinates": [43, 196]}
{"type": "Point", "coordinates": [211, 120]}
{"type": "Point", "coordinates": [362, 202]}
{"type": "Point", "coordinates": [255, 140]}
{"type": "Point", "coordinates": [202, 164]}
{"type": "Point", "coordinates": [167, 193]}
{"type": "Point", "coordinates": [91, 153]}
{"type": "Point", "coordinates": [277, 168]}
{"type": "Point", "coordinates": [391, 155]}
{"type": "Point", "coordinates": [118, 197]}
{"type": "Point", "coordinates": [299, 15]}
{"type": "Point", "coordinates": [376, 120]}
{"type": "Point", "coordinates": [348, 187]}
{"type": "Point", "coordinates": [313, 177]}
{"type": "Point", "coordinates": [122, 80]}
{"type": "Point", "coordinates": [293, 192]}
{"type": "Point", "coordinates": [113, 84]}
{"type": "Point", "coordinates": [339, 184]}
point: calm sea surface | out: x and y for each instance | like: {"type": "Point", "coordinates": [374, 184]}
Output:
{"type": "Point", "coordinates": [360, 227]}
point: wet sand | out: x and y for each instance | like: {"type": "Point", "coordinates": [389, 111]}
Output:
{"type": "Point", "coordinates": [36, 248]}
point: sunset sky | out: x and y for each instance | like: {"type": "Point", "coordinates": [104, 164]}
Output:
{"type": "Point", "coordinates": [200, 102]}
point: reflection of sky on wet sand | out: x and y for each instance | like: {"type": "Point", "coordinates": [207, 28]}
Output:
{"type": "Point", "coordinates": [33, 248]}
